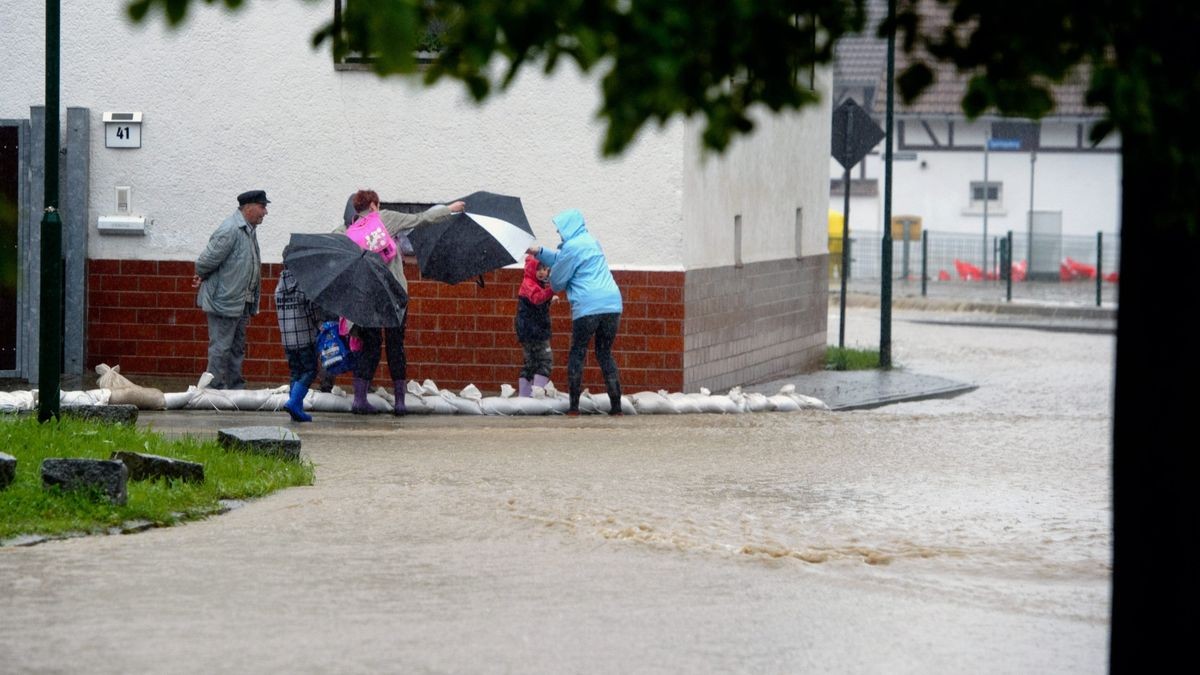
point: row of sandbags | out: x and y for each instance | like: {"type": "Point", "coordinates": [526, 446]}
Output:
{"type": "Point", "coordinates": [423, 398]}
{"type": "Point", "coordinates": [427, 398]}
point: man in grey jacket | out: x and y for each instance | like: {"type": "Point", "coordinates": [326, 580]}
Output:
{"type": "Point", "coordinates": [228, 274]}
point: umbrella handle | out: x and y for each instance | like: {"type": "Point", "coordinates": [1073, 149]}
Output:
{"type": "Point", "coordinates": [479, 281]}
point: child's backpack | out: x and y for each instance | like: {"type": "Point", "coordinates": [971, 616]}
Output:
{"type": "Point", "coordinates": [335, 355]}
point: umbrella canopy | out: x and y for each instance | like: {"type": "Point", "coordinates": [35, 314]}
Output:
{"type": "Point", "coordinates": [344, 279]}
{"type": "Point", "coordinates": [491, 233]}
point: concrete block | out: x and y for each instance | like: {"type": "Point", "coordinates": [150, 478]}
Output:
{"type": "Point", "coordinates": [278, 441]}
{"type": "Point", "coordinates": [149, 467]}
{"type": "Point", "coordinates": [109, 476]}
{"type": "Point", "coordinates": [8, 470]}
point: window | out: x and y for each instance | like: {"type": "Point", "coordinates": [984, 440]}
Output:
{"type": "Point", "coordinates": [353, 58]}
{"type": "Point", "coordinates": [994, 191]}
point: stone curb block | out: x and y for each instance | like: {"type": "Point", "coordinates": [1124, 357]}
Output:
{"type": "Point", "coordinates": [149, 467]}
{"type": "Point", "coordinates": [277, 441]}
{"type": "Point", "coordinates": [109, 476]}
{"type": "Point", "coordinates": [110, 414]}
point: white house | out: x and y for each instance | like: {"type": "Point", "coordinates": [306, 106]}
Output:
{"type": "Point", "coordinates": [721, 260]}
{"type": "Point", "coordinates": [1049, 169]}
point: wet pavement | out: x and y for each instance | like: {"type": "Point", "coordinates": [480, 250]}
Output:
{"type": "Point", "coordinates": [934, 535]}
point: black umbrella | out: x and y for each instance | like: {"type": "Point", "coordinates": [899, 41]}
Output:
{"type": "Point", "coordinates": [491, 233]}
{"type": "Point", "coordinates": [344, 279]}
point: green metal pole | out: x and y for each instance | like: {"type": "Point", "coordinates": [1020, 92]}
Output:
{"type": "Point", "coordinates": [885, 300]}
{"type": "Point", "coordinates": [1099, 266]}
{"type": "Point", "coordinates": [924, 263]}
{"type": "Point", "coordinates": [1008, 286]}
{"type": "Point", "coordinates": [50, 324]}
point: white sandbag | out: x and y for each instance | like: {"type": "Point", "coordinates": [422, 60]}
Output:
{"type": "Point", "coordinates": [810, 403]}
{"type": "Point", "coordinates": [685, 403]}
{"type": "Point", "coordinates": [416, 405]}
{"type": "Point", "coordinates": [600, 404]}
{"type": "Point", "coordinates": [506, 391]}
{"type": "Point", "coordinates": [783, 403]}
{"type": "Point", "coordinates": [439, 405]}
{"type": "Point", "coordinates": [275, 399]}
{"type": "Point", "coordinates": [502, 405]}
{"type": "Point", "coordinates": [429, 388]}
{"type": "Point", "coordinates": [724, 405]}
{"type": "Point", "coordinates": [178, 399]}
{"type": "Point", "coordinates": [231, 399]}
{"type": "Point", "coordinates": [651, 403]}
{"type": "Point", "coordinates": [323, 401]}
{"type": "Point", "coordinates": [84, 398]}
{"type": "Point", "coordinates": [756, 402]}
{"type": "Point", "coordinates": [12, 401]}
{"type": "Point", "coordinates": [471, 392]}
{"type": "Point", "coordinates": [463, 406]}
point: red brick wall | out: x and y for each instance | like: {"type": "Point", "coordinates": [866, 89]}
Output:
{"type": "Point", "coordinates": [142, 315]}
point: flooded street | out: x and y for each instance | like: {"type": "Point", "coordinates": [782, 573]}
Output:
{"type": "Point", "coordinates": [943, 536]}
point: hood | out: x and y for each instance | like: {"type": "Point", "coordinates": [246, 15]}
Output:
{"type": "Point", "coordinates": [569, 224]}
{"type": "Point", "coordinates": [531, 265]}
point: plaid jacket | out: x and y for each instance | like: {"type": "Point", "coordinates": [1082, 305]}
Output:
{"type": "Point", "coordinates": [297, 316]}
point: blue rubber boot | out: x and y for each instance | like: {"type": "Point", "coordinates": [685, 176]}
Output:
{"type": "Point", "coordinates": [295, 403]}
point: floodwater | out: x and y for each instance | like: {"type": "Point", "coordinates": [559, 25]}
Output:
{"type": "Point", "coordinates": [968, 534]}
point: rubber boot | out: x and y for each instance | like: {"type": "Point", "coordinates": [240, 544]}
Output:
{"type": "Point", "coordinates": [614, 396]}
{"type": "Point", "coordinates": [574, 389]}
{"type": "Point", "coordinates": [540, 381]}
{"type": "Point", "coordinates": [398, 408]}
{"type": "Point", "coordinates": [360, 405]}
{"type": "Point", "coordinates": [524, 389]}
{"type": "Point", "coordinates": [295, 402]}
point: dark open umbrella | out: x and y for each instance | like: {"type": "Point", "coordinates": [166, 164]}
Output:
{"type": "Point", "coordinates": [344, 279]}
{"type": "Point", "coordinates": [492, 233]}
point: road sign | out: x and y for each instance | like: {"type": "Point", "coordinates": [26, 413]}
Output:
{"type": "Point", "coordinates": [854, 134]}
{"type": "Point", "coordinates": [1004, 144]}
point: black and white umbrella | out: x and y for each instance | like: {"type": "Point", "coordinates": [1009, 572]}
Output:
{"type": "Point", "coordinates": [339, 277]}
{"type": "Point", "coordinates": [493, 232]}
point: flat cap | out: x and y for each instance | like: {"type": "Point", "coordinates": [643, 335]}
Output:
{"type": "Point", "coordinates": [253, 197]}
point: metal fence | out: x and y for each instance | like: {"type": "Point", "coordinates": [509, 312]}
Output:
{"type": "Point", "coordinates": [1068, 269]}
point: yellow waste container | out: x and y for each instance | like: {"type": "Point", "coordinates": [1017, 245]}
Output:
{"type": "Point", "coordinates": [837, 225]}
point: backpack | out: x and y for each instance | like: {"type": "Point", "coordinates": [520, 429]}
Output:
{"type": "Point", "coordinates": [333, 352]}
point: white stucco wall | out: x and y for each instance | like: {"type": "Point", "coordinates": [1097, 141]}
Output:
{"type": "Point", "coordinates": [240, 101]}
{"type": "Point", "coordinates": [1085, 188]}
{"type": "Point", "coordinates": [764, 178]}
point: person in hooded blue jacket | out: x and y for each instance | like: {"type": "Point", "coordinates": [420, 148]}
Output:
{"type": "Point", "coordinates": [579, 268]}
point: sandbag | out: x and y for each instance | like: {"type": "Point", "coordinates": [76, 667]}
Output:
{"type": "Point", "coordinates": [439, 405]}
{"type": "Point", "coordinates": [179, 399]}
{"type": "Point", "coordinates": [111, 378]}
{"type": "Point", "coordinates": [652, 403]}
{"type": "Point", "coordinates": [79, 398]}
{"type": "Point", "coordinates": [463, 406]}
{"type": "Point", "coordinates": [145, 398]}
{"type": "Point", "coordinates": [755, 402]}
{"type": "Point", "coordinates": [125, 392]}
{"type": "Point", "coordinates": [13, 401]}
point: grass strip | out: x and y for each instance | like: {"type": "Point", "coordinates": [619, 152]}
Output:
{"type": "Point", "coordinates": [26, 508]}
{"type": "Point", "coordinates": [849, 358]}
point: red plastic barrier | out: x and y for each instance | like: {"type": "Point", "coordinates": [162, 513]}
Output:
{"type": "Point", "coordinates": [1111, 277]}
{"type": "Point", "coordinates": [1071, 270]}
{"type": "Point", "coordinates": [943, 275]}
{"type": "Point", "coordinates": [1019, 270]}
{"type": "Point", "coordinates": [967, 271]}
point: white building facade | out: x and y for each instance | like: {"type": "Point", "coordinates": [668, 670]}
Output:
{"type": "Point", "coordinates": [239, 101]}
